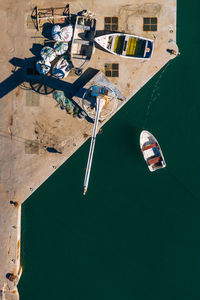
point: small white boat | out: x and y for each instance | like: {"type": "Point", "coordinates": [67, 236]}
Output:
{"type": "Point", "coordinates": [151, 151]}
{"type": "Point", "coordinates": [126, 45]}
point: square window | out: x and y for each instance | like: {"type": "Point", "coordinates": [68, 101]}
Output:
{"type": "Point", "coordinates": [114, 20]}
{"type": "Point", "coordinates": [146, 28]}
{"type": "Point", "coordinates": [108, 73]}
{"type": "Point", "coordinates": [115, 66]}
{"type": "Point", "coordinates": [107, 27]}
{"type": "Point", "coordinates": [114, 27]}
{"type": "Point", "coordinates": [115, 74]}
{"type": "Point", "coordinates": [154, 21]}
{"type": "Point", "coordinates": [107, 20]}
{"type": "Point", "coordinates": [112, 70]}
{"type": "Point", "coordinates": [150, 24]}
{"type": "Point", "coordinates": [146, 21]}
{"type": "Point", "coordinates": [111, 23]}
{"type": "Point", "coordinates": [153, 27]}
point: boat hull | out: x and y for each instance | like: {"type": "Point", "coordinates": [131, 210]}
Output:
{"type": "Point", "coordinates": [151, 151]}
{"type": "Point", "coordinates": [126, 45]}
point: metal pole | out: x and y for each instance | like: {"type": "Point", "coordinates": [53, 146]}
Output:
{"type": "Point", "coordinates": [100, 103]}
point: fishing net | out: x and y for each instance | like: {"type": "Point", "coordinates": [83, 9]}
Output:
{"type": "Point", "coordinates": [48, 53]}
{"type": "Point", "coordinates": [66, 33]}
{"type": "Point", "coordinates": [62, 34]}
{"type": "Point", "coordinates": [70, 109]}
{"type": "Point", "coordinates": [63, 101]}
{"type": "Point", "coordinates": [60, 48]}
{"type": "Point", "coordinates": [56, 31]}
{"type": "Point", "coordinates": [43, 67]}
{"type": "Point", "coordinates": [62, 68]}
{"type": "Point", "coordinates": [76, 111]}
{"type": "Point", "coordinates": [60, 98]}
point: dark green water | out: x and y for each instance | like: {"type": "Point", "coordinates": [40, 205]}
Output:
{"type": "Point", "coordinates": [136, 234]}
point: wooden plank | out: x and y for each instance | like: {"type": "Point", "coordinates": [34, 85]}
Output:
{"type": "Point", "coordinates": [51, 8]}
{"type": "Point", "coordinates": [37, 20]}
{"type": "Point", "coordinates": [55, 17]}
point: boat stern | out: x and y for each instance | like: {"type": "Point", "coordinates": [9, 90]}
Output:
{"type": "Point", "coordinates": [149, 49]}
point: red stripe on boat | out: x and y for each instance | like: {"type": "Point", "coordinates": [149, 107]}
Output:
{"type": "Point", "coordinates": [153, 160]}
{"type": "Point", "coordinates": [149, 147]}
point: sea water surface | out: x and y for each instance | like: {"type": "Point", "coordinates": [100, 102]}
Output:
{"type": "Point", "coordinates": [135, 235]}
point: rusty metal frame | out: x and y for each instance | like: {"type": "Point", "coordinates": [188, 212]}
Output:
{"type": "Point", "coordinates": [49, 14]}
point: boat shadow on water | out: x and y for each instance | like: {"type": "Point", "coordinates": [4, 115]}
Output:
{"type": "Point", "coordinates": [131, 146]}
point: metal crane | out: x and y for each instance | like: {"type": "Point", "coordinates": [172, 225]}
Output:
{"type": "Point", "coordinates": [100, 102]}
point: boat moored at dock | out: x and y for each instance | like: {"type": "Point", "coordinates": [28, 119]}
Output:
{"type": "Point", "coordinates": [126, 45]}
{"type": "Point", "coordinates": [151, 151]}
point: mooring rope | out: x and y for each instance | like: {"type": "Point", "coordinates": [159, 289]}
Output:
{"type": "Point", "coordinates": [154, 95]}
{"type": "Point", "coordinates": [180, 183]}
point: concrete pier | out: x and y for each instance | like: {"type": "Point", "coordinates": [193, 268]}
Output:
{"type": "Point", "coordinates": [31, 123]}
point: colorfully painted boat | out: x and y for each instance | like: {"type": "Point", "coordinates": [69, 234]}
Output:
{"type": "Point", "coordinates": [126, 45]}
{"type": "Point", "coordinates": [151, 151]}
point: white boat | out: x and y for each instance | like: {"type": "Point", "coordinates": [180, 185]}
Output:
{"type": "Point", "coordinates": [126, 45]}
{"type": "Point", "coordinates": [151, 151]}
{"type": "Point", "coordinates": [83, 42]}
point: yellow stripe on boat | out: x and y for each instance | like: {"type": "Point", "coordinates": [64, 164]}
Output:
{"type": "Point", "coordinates": [132, 42]}
{"type": "Point", "coordinates": [115, 44]}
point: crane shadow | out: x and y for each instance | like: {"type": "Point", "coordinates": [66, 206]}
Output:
{"type": "Point", "coordinates": [24, 72]}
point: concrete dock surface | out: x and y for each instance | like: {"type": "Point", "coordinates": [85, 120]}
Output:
{"type": "Point", "coordinates": [31, 123]}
